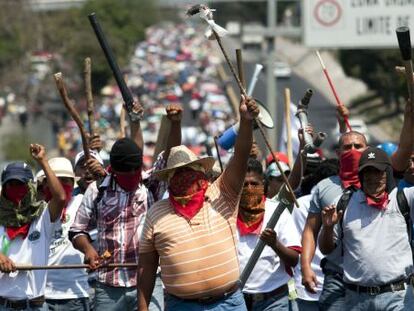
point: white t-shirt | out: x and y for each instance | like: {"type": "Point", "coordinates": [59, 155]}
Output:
{"type": "Point", "coordinates": [299, 218]}
{"type": "Point", "coordinates": [72, 283]}
{"type": "Point", "coordinates": [33, 250]}
{"type": "Point", "coordinates": [269, 273]}
{"type": "Point", "coordinates": [376, 247]}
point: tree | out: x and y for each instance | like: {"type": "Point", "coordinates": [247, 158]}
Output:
{"type": "Point", "coordinates": [123, 21]}
{"type": "Point", "coordinates": [376, 69]}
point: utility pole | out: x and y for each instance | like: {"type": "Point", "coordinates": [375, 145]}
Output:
{"type": "Point", "coordinates": [270, 77]}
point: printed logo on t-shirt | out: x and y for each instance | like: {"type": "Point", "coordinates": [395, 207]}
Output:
{"type": "Point", "coordinates": [35, 235]}
{"type": "Point", "coordinates": [58, 234]}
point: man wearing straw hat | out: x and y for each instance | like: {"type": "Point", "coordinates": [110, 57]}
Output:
{"type": "Point", "coordinates": [192, 234]}
{"type": "Point", "coordinates": [117, 208]}
{"type": "Point", "coordinates": [26, 228]}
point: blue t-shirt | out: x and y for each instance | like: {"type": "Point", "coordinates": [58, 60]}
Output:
{"type": "Point", "coordinates": [327, 192]}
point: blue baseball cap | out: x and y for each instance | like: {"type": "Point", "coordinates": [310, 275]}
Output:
{"type": "Point", "coordinates": [17, 170]}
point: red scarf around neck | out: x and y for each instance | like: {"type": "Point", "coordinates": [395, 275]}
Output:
{"type": "Point", "coordinates": [380, 204]}
{"type": "Point", "coordinates": [254, 228]}
{"type": "Point", "coordinates": [13, 232]}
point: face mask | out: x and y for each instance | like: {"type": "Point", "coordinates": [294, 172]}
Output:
{"type": "Point", "coordinates": [252, 198]}
{"type": "Point", "coordinates": [16, 194]}
{"type": "Point", "coordinates": [348, 168]}
{"type": "Point", "coordinates": [251, 210]}
{"type": "Point", "coordinates": [374, 185]}
{"type": "Point", "coordinates": [187, 182]}
{"type": "Point", "coordinates": [128, 182]}
{"type": "Point", "coordinates": [68, 191]}
{"type": "Point", "coordinates": [187, 192]}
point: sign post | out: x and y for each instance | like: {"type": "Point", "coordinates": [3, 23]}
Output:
{"type": "Point", "coordinates": [355, 23]}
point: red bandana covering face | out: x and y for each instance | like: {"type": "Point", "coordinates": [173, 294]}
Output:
{"type": "Point", "coordinates": [348, 168]}
{"type": "Point", "coordinates": [380, 203]}
{"type": "Point", "coordinates": [187, 190]}
{"type": "Point", "coordinates": [16, 193]}
{"type": "Point", "coordinates": [251, 210]}
{"type": "Point", "coordinates": [128, 182]}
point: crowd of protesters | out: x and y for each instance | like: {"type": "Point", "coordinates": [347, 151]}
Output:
{"type": "Point", "coordinates": [175, 64]}
{"type": "Point", "coordinates": [175, 233]}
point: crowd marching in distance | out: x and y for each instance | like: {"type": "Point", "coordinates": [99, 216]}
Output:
{"type": "Point", "coordinates": [129, 226]}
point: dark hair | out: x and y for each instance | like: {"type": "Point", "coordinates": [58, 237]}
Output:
{"type": "Point", "coordinates": [327, 168]}
{"type": "Point", "coordinates": [254, 166]}
{"type": "Point", "coordinates": [341, 138]}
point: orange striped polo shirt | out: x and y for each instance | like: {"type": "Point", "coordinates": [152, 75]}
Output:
{"type": "Point", "coordinates": [198, 257]}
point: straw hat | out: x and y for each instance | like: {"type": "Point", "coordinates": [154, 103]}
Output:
{"type": "Point", "coordinates": [60, 166]}
{"type": "Point", "coordinates": [181, 156]}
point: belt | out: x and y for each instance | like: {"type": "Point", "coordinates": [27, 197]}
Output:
{"type": "Point", "coordinates": [252, 298]}
{"type": "Point", "coordinates": [212, 299]}
{"type": "Point", "coordinates": [376, 290]}
{"type": "Point", "coordinates": [23, 303]}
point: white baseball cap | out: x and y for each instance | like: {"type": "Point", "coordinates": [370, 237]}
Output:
{"type": "Point", "coordinates": [93, 154]}
{"type": "Point", "coordinates": [273, 171]}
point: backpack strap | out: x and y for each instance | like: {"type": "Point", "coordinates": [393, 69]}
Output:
{"type": "Point", "coordinates": [341, 206]}
{"type": "Point", "coordinates": [405, 211]}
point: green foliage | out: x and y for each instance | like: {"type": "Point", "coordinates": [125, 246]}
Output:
{"type": "Point", "coordinates": [15, 147]}
{"type": "Point", "coordinates": [123, 22]}
{"type": "Point", "coordinates": [69, 33]}
{"type": "Point", "coordinates": [376, 69]}
{"type": "Point", "coordinates": [14, 37]}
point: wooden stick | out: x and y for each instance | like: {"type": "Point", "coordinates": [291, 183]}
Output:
{"type": "Point", "coordinates": [75, 266]}
{"type": "Point", "coordinates": [122, 122]}
{"type": "Point", "coordinates": [259, 126]}
{"type": "Point", "coordinates": [218, 154]}
{"type": "Point", "coordinates": [89, 96]}
{"type": "Point", "coordinates": [233, 71]}
{"type": "Point", "coordinates": [288, 127]}
{"type": "Point", "coordinates": [60, 84]}
{"type": "Point", "coordinates": [240, 67]}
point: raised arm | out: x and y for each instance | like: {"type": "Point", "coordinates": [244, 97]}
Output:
{"type": "Point", "coordinates": [400, 159]}
{"type": "Point", "coordinates": [174, 114]}
{"type": "Point", "coordinates": [233, 175]}
{"type": "Point", "coordinates": [295, 176]}
{"type": "Point", "coordinates": [57, 202]}
{"type": "Point", "coordinates": [136, 131]}
{"type": "Point", "coordinates": [342, 114]}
